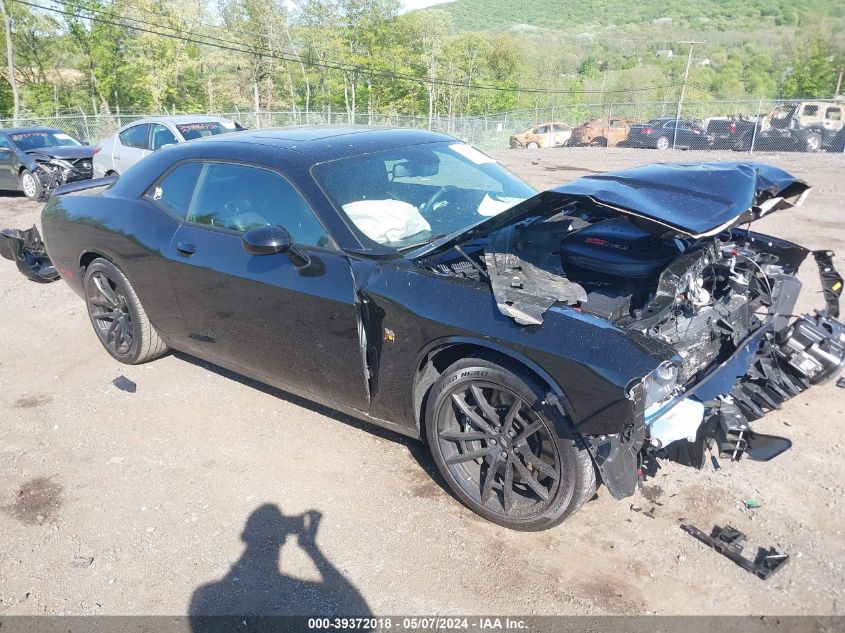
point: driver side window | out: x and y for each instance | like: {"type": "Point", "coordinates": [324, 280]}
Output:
{"type": "Point", "coordinates": [243, 197]}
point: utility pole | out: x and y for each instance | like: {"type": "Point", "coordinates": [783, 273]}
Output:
{"type": "Point", "coordinates": [683, 88]}
{"type": "Point", "coordinates": [10, 58]}
{"type": "Point", "coordinates": [838, 80]}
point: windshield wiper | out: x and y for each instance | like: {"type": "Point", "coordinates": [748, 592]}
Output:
{"type": "Point", "coordinates": [410, 247]}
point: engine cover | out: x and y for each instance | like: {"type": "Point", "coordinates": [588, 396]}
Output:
{"type": "Point", "coordinates": [618, 248]}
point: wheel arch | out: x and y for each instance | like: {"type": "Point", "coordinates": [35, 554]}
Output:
{"type": "Point", "coordinates": [438, 355]}
{"type": "Point", "coordinates": [89, 255]}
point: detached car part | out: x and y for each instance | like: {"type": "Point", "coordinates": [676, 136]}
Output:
{"type": "Point", "coordinates": [728, 542]}
{"type": "Point", "coordinates": [26, 249]}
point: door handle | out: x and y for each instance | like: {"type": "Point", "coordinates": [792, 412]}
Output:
{"type": "Point", "coordinates": [186, 249]}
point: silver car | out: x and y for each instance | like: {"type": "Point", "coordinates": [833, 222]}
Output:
{"type": "Point", "coordinates": [117, 153]}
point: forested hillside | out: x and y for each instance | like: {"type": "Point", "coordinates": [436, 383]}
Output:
{"type": "Point", "coordinates": [712, 15]}
{"type": "Point", "coordinates": [365, 56]}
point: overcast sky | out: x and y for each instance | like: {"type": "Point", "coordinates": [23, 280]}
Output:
{"type": "Point", "coordinates": [410, 5]}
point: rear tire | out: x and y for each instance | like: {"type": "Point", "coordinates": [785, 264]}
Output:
{"type": "Point", "coordinates": [599, 142]}
{"type": "Point", "coordinates": [489, 435]}
{"type": "Point", "coordinates": [31, 186]}
{"type": "Point", "coordinates": [662, 143]}
{"type": "Point", "coordinates": [532, 145]}
{"type": "Point", "coordinates": [118, 318]}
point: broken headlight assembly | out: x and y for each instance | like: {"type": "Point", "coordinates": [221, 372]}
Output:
{"type": "Point", "coordinates": [659, 384]}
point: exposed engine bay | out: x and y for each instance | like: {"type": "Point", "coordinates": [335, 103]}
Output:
{"type": "Point", "coordinates": [723, 301]}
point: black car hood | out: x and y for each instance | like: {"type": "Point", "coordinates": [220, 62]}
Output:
{"type": "Point", "coordinates": [696, 199]}
{"type": "Point", "coordinates": [690, 199]}
{"type": "Point", "coordinates": [64, 152]}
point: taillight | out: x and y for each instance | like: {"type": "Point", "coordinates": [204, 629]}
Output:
{"type": "Point", "coordinates": [97, 149]}
{"type": "Point", "coordinates": [733, 127]}
{"type": "Point", "coordinates": [645, 130]}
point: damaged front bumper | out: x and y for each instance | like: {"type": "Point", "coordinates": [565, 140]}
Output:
{"type": "Point", "coordinates": [27, 250]}
{"type": "Point", "coordinates": [773, 364]}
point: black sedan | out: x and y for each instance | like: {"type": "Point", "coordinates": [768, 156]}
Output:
{"type": "Point", "coordinates": [37, 160]}
{"type": "Point", "coordinates": [539, 342]}
{"type": "Point", "coordinates": [660, 134]}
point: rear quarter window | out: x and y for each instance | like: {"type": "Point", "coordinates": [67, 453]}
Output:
{"type": "Point", "coordinates": [176, 190]}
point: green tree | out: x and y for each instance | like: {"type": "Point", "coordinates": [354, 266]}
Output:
{"type": "Point", "coordinates": [813, 67]}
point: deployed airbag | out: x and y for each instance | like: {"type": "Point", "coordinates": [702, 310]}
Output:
{"type": "Point", "coordinates": [386, 221]}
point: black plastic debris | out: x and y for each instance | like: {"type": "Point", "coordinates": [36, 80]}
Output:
{"type": "Point", "coordinates": [762, 448]}
{"type": "Point", "coordinates": [124, 384]}
{"type": "Point", "coordinates": [841, 382]}
{"type": "Point", "coordinates": [27, 250]}
{"type": "Point", "coordinates": [831, 281]}
{"type": "Point", "coordinates": [728, 542]}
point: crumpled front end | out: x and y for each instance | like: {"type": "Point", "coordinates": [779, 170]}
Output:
{"type": "Point", "coordinates": [54, 172]}
{"type": "Point", "coordinates": [776, 360]}
{"type": "Point", "coordinates": [664, 254]}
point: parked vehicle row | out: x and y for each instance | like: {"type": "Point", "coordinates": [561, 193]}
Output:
{"type": "Point", "coordinates": [804, 126]}
{"type": "Point", "coordinates": [36, 160]}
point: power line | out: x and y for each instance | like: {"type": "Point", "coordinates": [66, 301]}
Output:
{"type": "Point", "coordinates": [230, 45]}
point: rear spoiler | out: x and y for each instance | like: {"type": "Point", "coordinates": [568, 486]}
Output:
{"type": "Point", "coordinates": [83, 185]}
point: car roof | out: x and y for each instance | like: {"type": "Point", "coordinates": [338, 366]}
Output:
{"type": "Point", "coordinates": [330, 143]}
{"type": "Point", "coordinates": [20, 130]}
{"type": "Point", "coordinates": [177, 119]}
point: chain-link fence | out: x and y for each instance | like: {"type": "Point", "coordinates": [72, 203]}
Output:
{"type": "Point", "coordinates": [749, 126]}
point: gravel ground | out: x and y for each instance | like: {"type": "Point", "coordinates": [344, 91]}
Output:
{"type": "Point", "coordinates": [189, 495]}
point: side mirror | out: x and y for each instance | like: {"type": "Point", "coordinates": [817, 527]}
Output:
{"type": "Point", "coordinates": [4, 150]}
{"type": "Point", "coordinates": [272, 239]}
{"type": "Point", "coordinates": [267, 240]}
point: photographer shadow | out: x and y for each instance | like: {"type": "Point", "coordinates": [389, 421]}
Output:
{"type": "Point", "coordinates": [255, 587]}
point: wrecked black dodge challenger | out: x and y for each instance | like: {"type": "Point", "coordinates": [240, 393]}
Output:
{"type": "Point", "coordinates": [541, 343]}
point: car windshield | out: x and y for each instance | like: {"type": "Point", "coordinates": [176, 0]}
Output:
{"type": "Point", "coordinates": [408, 196]}
{"type": "Point", "coordinates": [190, 131]}
{"type": "Point", "coordinates": [42, 138]}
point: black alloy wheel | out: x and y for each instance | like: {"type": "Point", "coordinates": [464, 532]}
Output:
{"type": "Point", "coordinates": [504, 457]}
{"type": "Point", "coordinates": [117, 316]}
{"type": "Point", "coordinates": [112, 320]}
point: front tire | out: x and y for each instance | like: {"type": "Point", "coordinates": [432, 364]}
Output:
{"type": "Point", "coordinates": [118, 317]}
{"type": "Point", "coordinates": [31, 186]}
{"type": "Point", "coordinates": [532, 145]}
{"type": "Point", "coordinates": [813, 143]}
{"type": "Point", "coordinates": [508, 458]}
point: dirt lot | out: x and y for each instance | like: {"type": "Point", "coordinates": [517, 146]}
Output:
{"type": "Point", "coordinates": [119, 503]}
